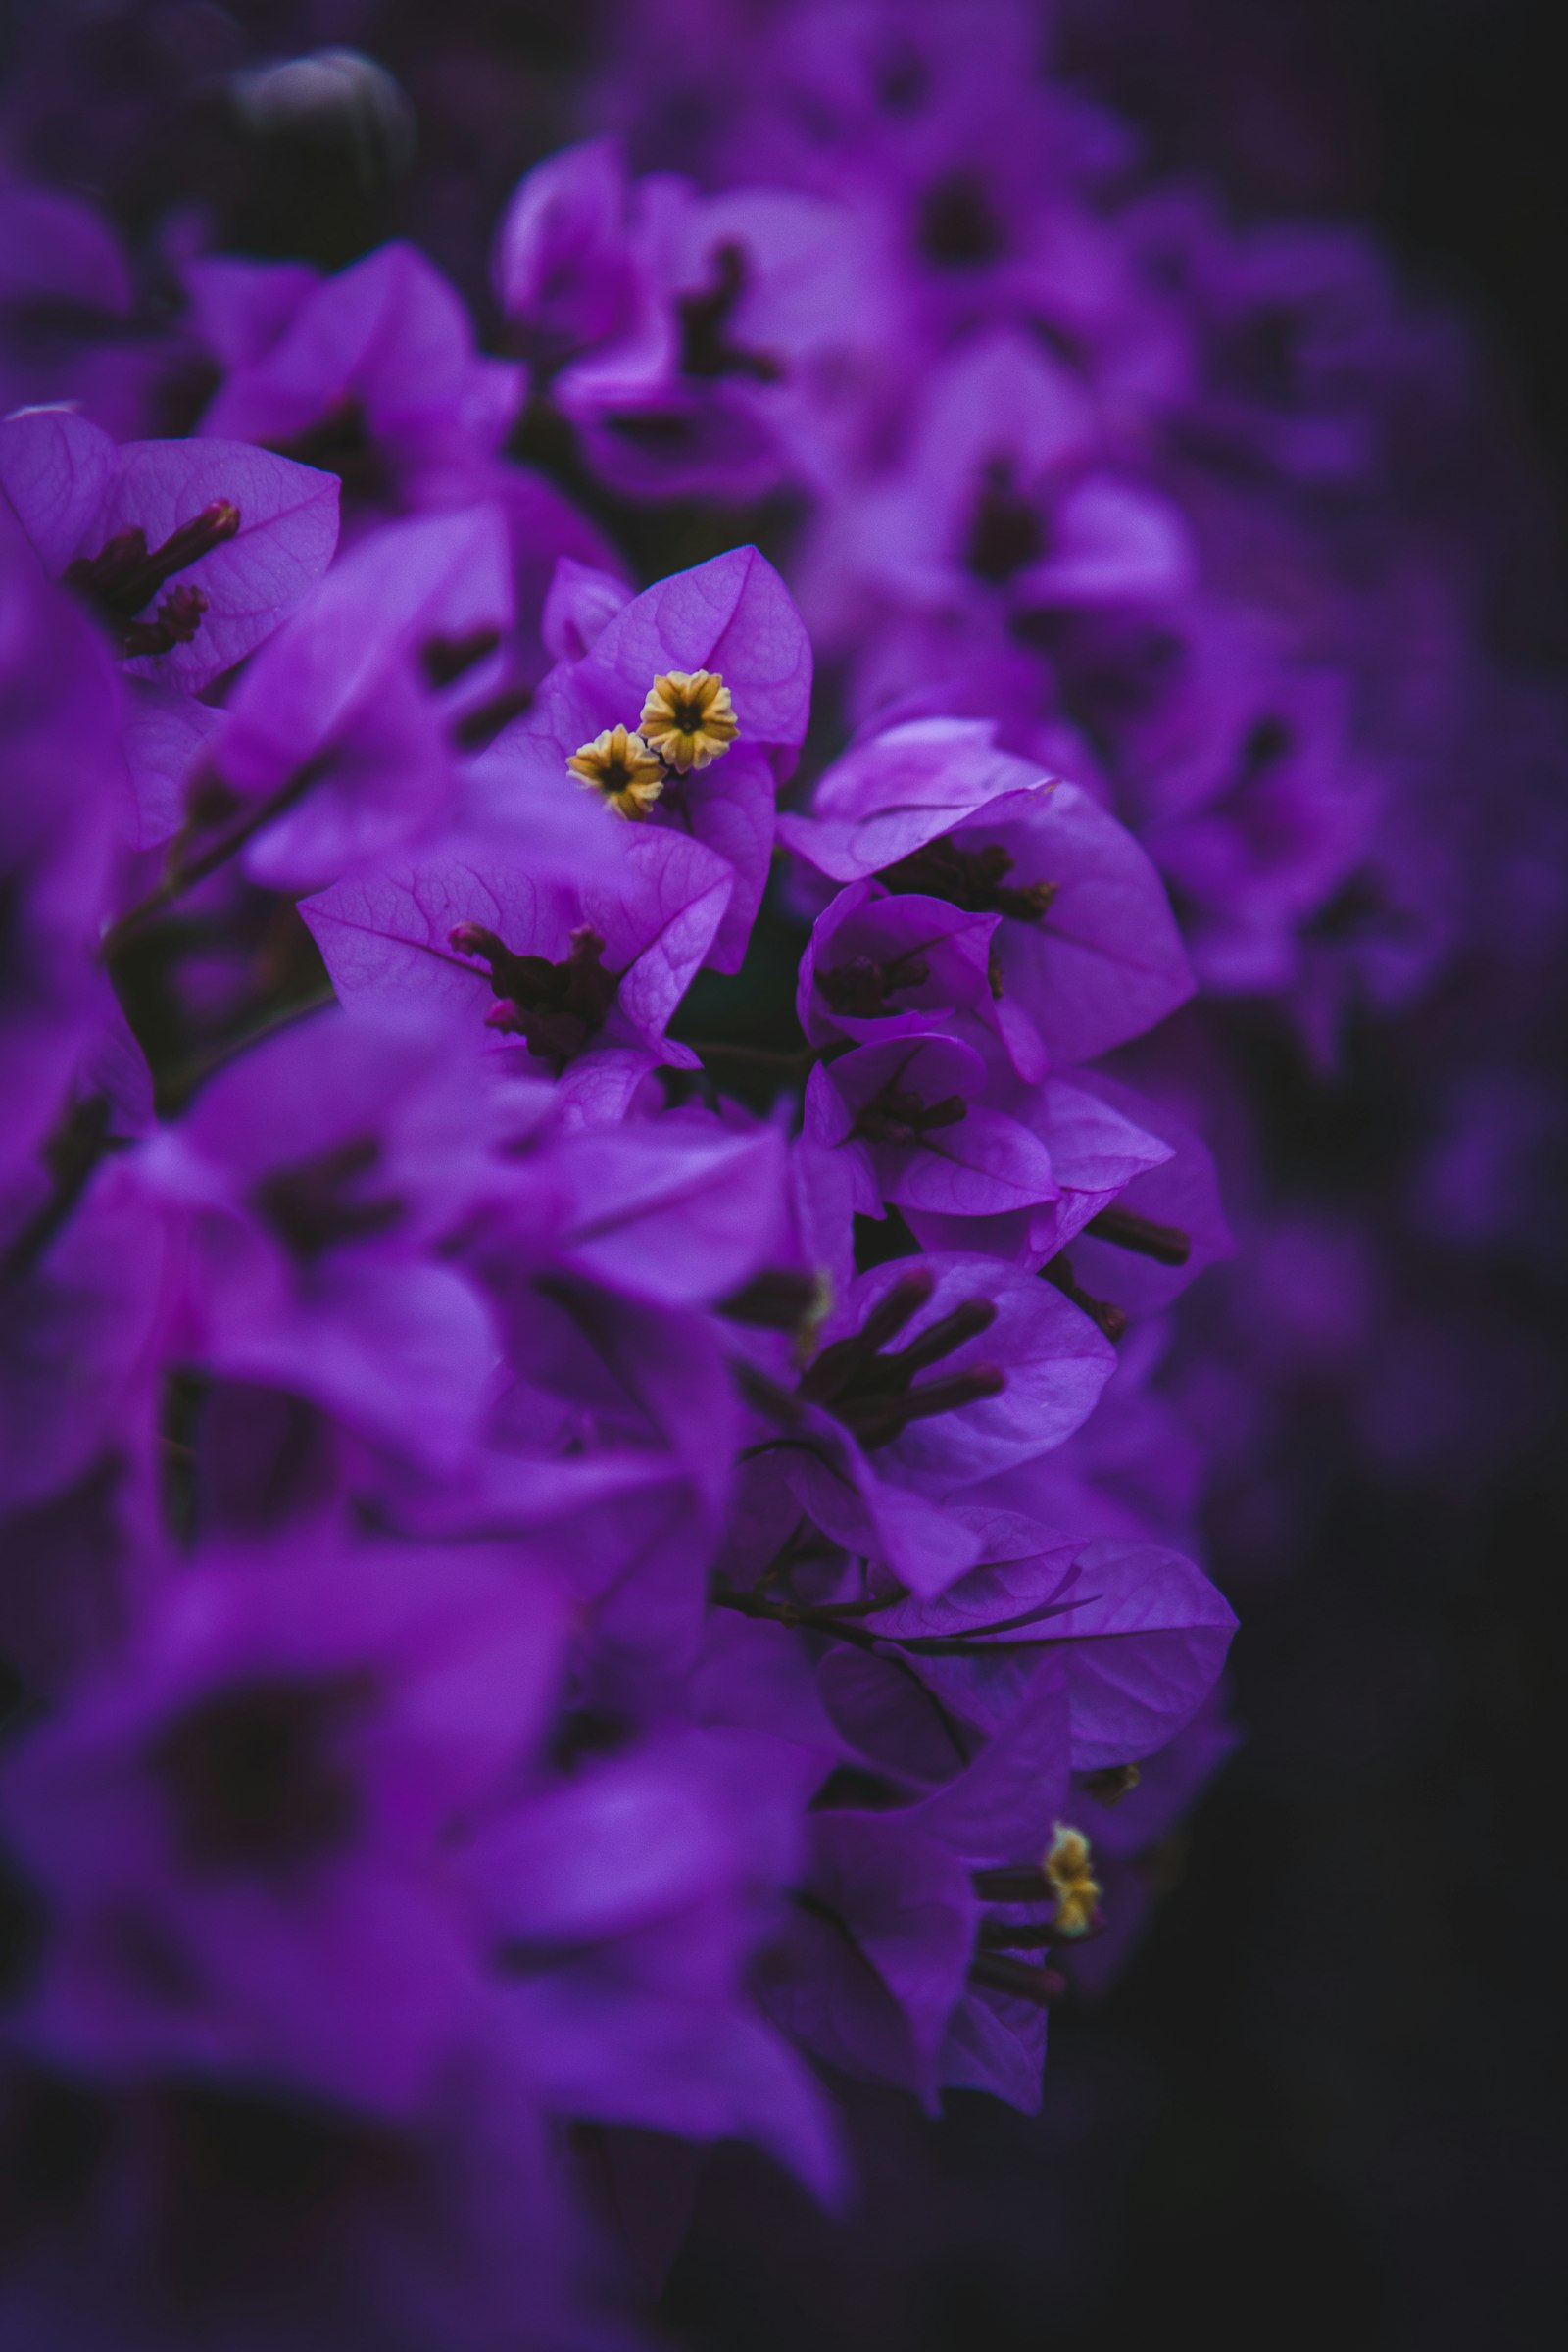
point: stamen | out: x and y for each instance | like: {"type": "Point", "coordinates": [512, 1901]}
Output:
{"type": "Point", "coordinates": [341, 442]}
{"type": "Point", "coordinates": [948, 1332]}
{"type": "Point", "coordinates": [1110, 1785]}
{"type": "Point", "coordinates": [838, 1363]}
{"type": "Point", "coordinates": [870, 1393]}
{"type": "Point", "coordinates": [1111, 1320]}
{"type": "Point", "coordinates": [619, 765]}
{"type": "Point", "coordinates": [876, 1420]}
{"type": "Point", "coordinates": [1012, 1882]}
{"type": "Point", "coordinates": [1021, 1978]}
{"type": "Point", "coordinates": [1006, 531]}
{"type": "Point", "coordinates": [974, 880]}
{"type": "Point", "coordinates": [1068, 1865]}
{"type": "Point", "coordinates": [689, 718]}
{"type": "Point", "coordinates": [479, 727]}
{"type": "Point", "coordinates": [896, 1116]}
{"type": "Point", "coordinates": [444, 660]}
{"type": "Point", "coordinates": [1167, 1244]}
{"type": "Point", "coordinates": [779, 1298]}
{"type": "Point", "coordinates": [310, 1204]}
{"type": "Point", "coordinates": [175, 623]}
{"type": "Point", "coordinates": [859, 989]}
{"type": "Point", "coordinates": [893, 1311]}
{"type": "Point", "coordinates": [706, 347]}
{"type": "Point", "coordinates": [1019, 1935]}
{"type": "Point", "coordinates": [121, 579]}
{"type": "Point", "coordinates": [555, 1008]}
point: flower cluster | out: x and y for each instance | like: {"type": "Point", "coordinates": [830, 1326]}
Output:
{"type": "Point", "coordinates": [596, 1483]}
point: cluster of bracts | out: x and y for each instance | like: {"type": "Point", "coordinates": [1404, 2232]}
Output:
{"type": "Point", "coordinates": [566, 1578]}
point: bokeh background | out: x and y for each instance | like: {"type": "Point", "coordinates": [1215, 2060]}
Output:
{"type": "Point", "coordinates": [1323, 2105]}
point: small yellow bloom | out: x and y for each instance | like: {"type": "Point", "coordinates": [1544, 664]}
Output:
{"type": "Point", "coordinates": [689, 718]}
{"type": "Point", "coordinates": [1070, 1865]}
{"type": "Point", "coordinates": [619, 765]}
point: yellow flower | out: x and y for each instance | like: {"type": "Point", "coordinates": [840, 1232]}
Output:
{"type": "Point", "coordinates": [1069, 1866]}
{"type": "Point", "coordinates": [619, 765]}
{"type": "Point", "coordinates": [689, 718]}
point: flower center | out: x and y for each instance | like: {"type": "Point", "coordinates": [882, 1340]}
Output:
{"type": "Point", "coordinates": [555, 1008]}
{"type": "Point", "coordinates": [898, 1116]}
{"type": "Point", "coordinates": [1007, 533]}
{"type": "Point", "coordinates": [689, 718]}
{"type": "Point", "coordinates": [975, 880]}
{"type": "Point", "coordinates": [121, 579]}
{"type": "Point", "coordinates": [340, 442]}
{"type": "Point", "coordinates": [250, 1774]}
{"type": "Point", "coordinates": [873, 1394]}
{"type": "Point", "coordinates": [619, 765]}
{"type": "Point", "coordinates": [958, 227]}
{"type": "Point", "coordinates": [312, 1204]}
{"type": "Point", "coordinates": [859, 989]}
{"type": "Point", "coordinates": [1111, 1782]}
{"type": "Point", "coordinates": [706, 347]}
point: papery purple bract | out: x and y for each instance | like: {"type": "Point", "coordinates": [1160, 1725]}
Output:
{"type": "Point", "coordinates": [233, 534]}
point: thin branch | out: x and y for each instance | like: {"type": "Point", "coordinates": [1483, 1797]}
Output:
{"type": "Point", "coordinates": [183, 874]}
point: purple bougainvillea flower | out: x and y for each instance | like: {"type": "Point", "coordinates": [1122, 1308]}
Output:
{"type": "Point", "coordinates": [1264, 819]}
{"type": "Point", "coordinates": [57, 815]}
{"type": "Point", "coordinates": [189, 552]}
{"type": "Point", "coordinates": [732, 619]}
{"type": "Point", "coordinates": [627, 1526]}
{"type": "Point", "coordinates": [733, 615]}
{"type": "Point", "coordinates": [623, 1907]}
{"type": "Point", "coordinates": [1140, 1634]}
{"type": "Point", "coordinates": [1308, 354]}
{"type": "Point", "coordinates": [757, 309]}
{"type": "Point", "coordinates": [697, 342]}
{"type": "Point", "coordinates": [1238, 761]}
{"type": "Point", "coordinates": [65, 297]}
{"type": "Point", "coordinates": [881, 1961]}
{"type": "Point", "coordinates": [1005, 500]}
{"type": "Point", "coordinates": [1095, 1153]}
{"type": "Point", "coordinates": [1052, 1365]}
{"type": "Point", "coordinates": [582, 972]}
{"type": "Point", "coordinates": [82, 1316]}
{"type": "Point", "coordinates": [1169, 1223]}
{"type": "Point", "coordinates": [877, 1957]}
{"type": "Point", "coordinates": [898, 787]}
{"type": "Point", "coordinates": [590, 1361]}
{"type": "Point", "coordinates": [242, 1836]}
{"type": "Point", "coordinates": [237, 308]}
{"type": "Point", "coordinates": [579, 604]}
{"type": "Point", "coordinates": [352, 716]}
{"type": "Point", "coordinates": [166, 740]}
{"type": "Point", "coordinates": [907, 1111]}
{"type": "Point", "coordinates": [547, 530]}
{"type": "Point", "coordinates": [373, 376]}
{"type": "Point", "coordinates": [879, 966]}
{"type": "Point", "coordinates": [680, 1210]}
{"type": "Point", "coordinates": [311, 1178]}
{"type": "Point", "coordinates": [932, 1374]}
{"type": "Point", "coordinates": [563, 268]}
{"type": "Point", "coordinates": [1086, 949]}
